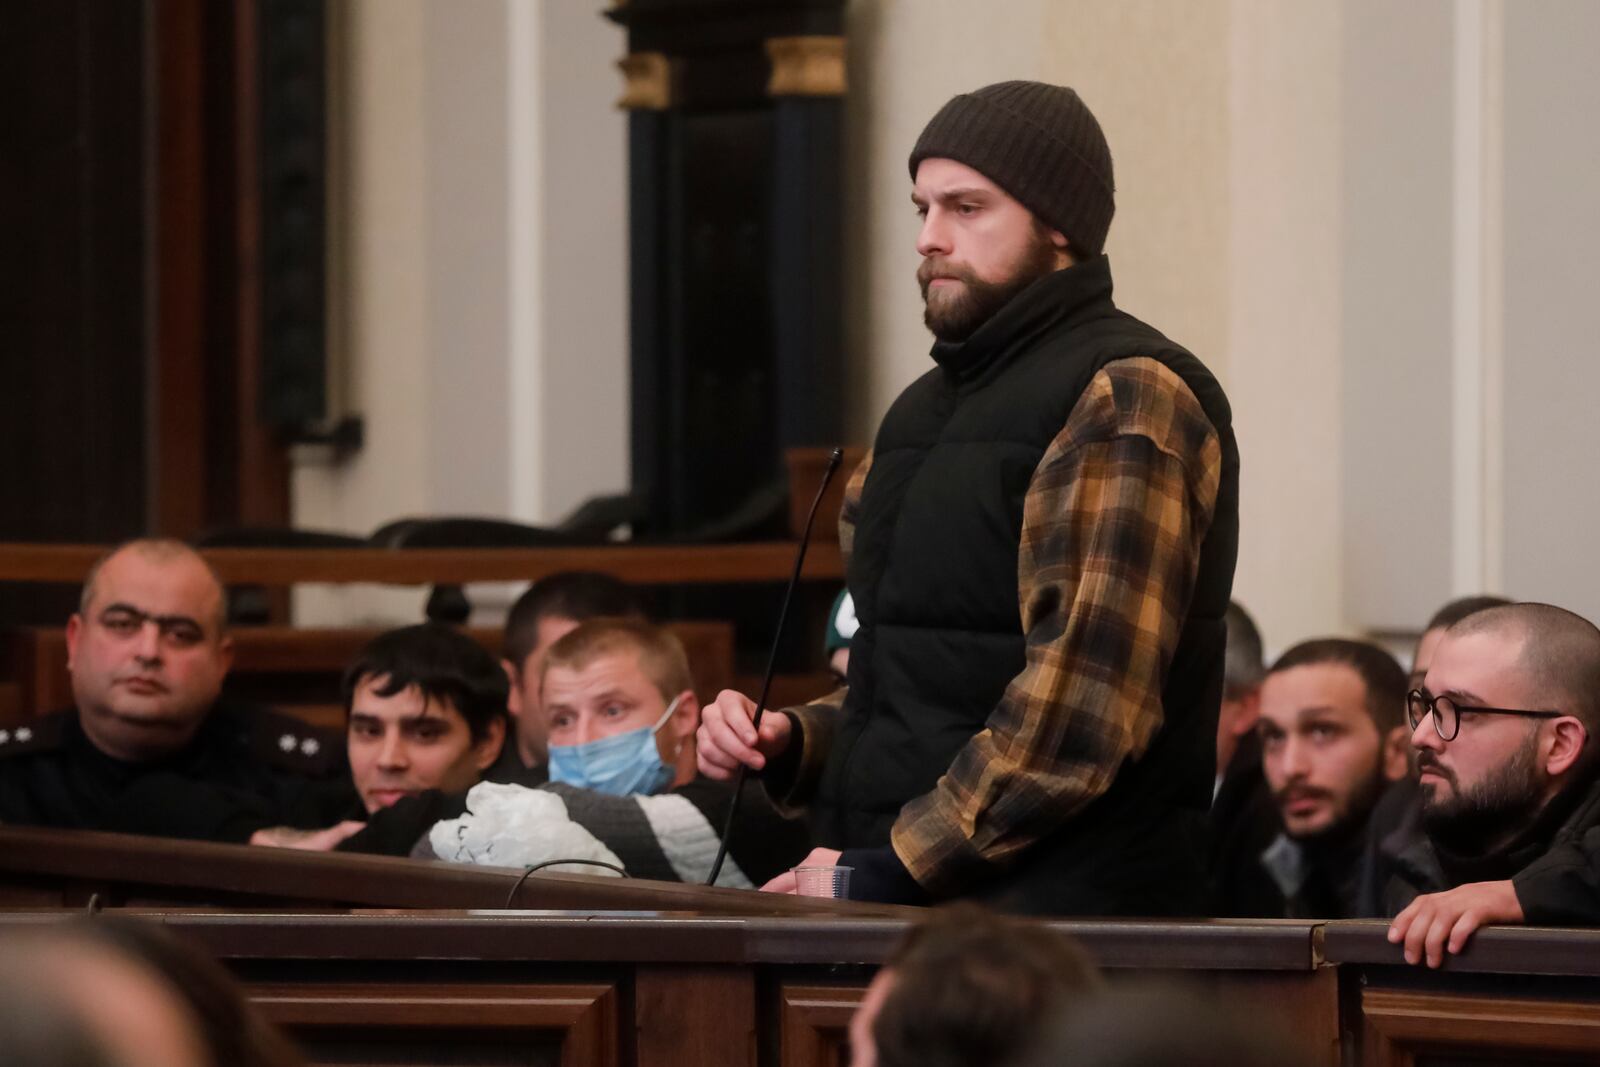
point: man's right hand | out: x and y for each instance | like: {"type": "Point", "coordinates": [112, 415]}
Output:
{"type": "Point", "coordinates": [307, 840]}
{"type": "Point", "coordinates": [726, 739]}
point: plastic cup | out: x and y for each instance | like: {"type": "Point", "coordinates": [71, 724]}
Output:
{"type": "Point", "coordinates": [823, 881]}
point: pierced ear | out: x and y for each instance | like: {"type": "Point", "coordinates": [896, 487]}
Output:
{"type": "Point", "coordinates": [1397, 753]}
{"type": "Point", "coordinates": [686, 716]}
{"type": "Point", "coordinates": [1567, 740]}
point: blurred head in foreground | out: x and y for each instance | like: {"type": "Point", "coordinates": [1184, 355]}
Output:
{"type": "Point", "coordinates": [967, 986]}
{"type": "Point", "coordinates": [136, 996]}
{"type": "Point", "coordinates": [1162, 1027]}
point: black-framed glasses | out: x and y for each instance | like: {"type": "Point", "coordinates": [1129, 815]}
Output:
{"type": "Point", "coordinates": [1447, 713]}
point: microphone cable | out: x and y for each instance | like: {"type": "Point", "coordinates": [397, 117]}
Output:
{"type": "Point", "coordinates": [834, 460]}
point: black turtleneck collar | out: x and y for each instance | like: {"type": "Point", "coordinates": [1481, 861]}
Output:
{"type": "Point", "coordinates": [1527, 846]}
{"type": "Point", "coordinates": [1052, 299]}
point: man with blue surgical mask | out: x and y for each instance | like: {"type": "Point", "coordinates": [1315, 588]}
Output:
{"type": "Point", "coordinates": [621, 713]}
{"type": "Point", "coordinates": [620, 709]}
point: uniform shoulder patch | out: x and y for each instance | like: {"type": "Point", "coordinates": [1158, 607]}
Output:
{"type": "Point", "coordinates": [38, 735]}
{"type": "Point", "coordinates": [287, 743]}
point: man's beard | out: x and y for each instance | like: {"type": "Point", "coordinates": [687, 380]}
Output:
{"type": "Point", "coordinates": [1475, 821]}
{"type": "Point", "coordinates": [1349, 819]}
{"type": "Point", "coordinates": [959, 314]}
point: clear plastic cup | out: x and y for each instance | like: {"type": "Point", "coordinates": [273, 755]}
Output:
{"type": "Point", "coordinates": [823, 881]}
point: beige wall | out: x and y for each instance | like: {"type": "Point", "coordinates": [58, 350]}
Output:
{"type": "Point", "coordinates": [479, 276]}
{"type": "Point", "coordinates": [1225, 238]}
{"type": "Point", "coordinates": [1284, 313]}
{"type": "Point", "coordinates": [1298, 201]}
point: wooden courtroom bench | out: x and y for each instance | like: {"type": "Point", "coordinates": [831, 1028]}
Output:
{"type": "Point", "coordinates": [700, 987]}
{"type": "Point", "coordinates": [48, 868]}
{"type": "Point", "coordinates": [611, 971]}
{"type": "Point", "coordinates": [1518, 995]}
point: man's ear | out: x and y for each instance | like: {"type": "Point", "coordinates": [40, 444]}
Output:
{"type": "Point", "coordinates": [225, 652]}
{"type": "Point", "coordinates": [686, 716]}
{"type": "Point", "coordinates": [74, 631]}
{"type": "Point", "coordinates": [1396, 756]}
{"type": "Point", "coordinates": [1249, 713]}
{"type": "Point", "coordinates": [1567, 737]}
{"type": "Point", "coordinates": [514, 697]}
{"type": "Point", "coordinates": [494, 738]}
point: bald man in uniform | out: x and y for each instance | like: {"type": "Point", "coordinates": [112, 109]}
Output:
{"type": "Point", "coordinates": [150, 747]}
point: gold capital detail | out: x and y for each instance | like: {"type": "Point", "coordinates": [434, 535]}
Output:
{"type": "Point", "coordinates": [806, 66]}
{"type": "Point", "coordinates": [647, 81]}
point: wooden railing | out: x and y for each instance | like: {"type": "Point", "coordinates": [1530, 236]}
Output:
{"type": "Point", "coordinates": [608, 971]}
{"type": "Point", "coordinates": [767, 561]}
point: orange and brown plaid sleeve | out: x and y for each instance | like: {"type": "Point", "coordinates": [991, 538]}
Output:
{"type": "Point", "coordinates": [1112, 527]}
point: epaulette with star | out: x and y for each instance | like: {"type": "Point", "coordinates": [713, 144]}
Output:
{"type": "Point", "coordinates": [40, 735]}
{"type": "Point", "coordinates": [291, 744]}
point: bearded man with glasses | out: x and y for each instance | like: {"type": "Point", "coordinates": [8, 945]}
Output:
{"type": "Point", "coordinates": [1509, 827]}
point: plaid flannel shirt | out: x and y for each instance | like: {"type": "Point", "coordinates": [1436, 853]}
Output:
{"type": "Point", "coordinates": [1112, 526]}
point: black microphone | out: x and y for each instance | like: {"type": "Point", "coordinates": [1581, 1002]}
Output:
{"type": "Point", "coordinates": [772, 659]}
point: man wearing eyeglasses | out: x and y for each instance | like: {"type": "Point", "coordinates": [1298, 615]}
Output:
{"type": "Point", "coordinates": [149, 747]}
{"type": "Point", "coordinates": [1510, 803]}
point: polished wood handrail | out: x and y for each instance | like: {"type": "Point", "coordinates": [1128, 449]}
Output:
{"type": "Point", "coordinates": [154, 869]}
{"type": "Point", "coordinates": [708, 933]}
{"type": "Point", "coordinates": [1492, 950]}
{"type": "Point", "coordinates": [768, 561]}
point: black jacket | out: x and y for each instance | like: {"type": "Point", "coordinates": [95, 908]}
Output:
{"type": "Point", "coordinates": [245, 769]}
{"type": "Point", "coordinates": [933, 575]}
{"type": "Point", "coordinates": [1554, 866]}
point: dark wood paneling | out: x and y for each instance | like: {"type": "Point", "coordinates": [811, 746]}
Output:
{"type": "Point", "coordinates": [734, 263]}
{"type": "Point", "coordinates": [72, 279]}
{"type": "Point", "coordinates": [813, 1024]}
{"type": "Point", "coordinates": [768, 561]}
{"type": "Point", "coordinates": [125, 280]}
{"type": "Point", "coordinates": [1403, 1029]}
{"type": "Point", "coordinates": [479, 1023]}
{"type": "Point", "coordinates": [180, 389]}
{"type": "Point", "coordinates": [690, 1016]}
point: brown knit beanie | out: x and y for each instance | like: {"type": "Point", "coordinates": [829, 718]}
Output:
{"type": "Point", "coordinates": [1039, 143]}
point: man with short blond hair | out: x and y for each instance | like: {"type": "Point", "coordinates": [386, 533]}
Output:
{"type": "Point", "coordinates": [150, 746]}
{"type": "Point", "coordinates": [547, 611]}
{"type": "Point", "coordinates": [621, 714]}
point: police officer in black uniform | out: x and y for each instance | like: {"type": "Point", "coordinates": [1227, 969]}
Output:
{"type": "Point", "coordinates": [150, 748]}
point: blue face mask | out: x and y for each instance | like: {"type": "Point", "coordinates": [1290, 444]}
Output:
{"type": "Point", "coordinates": [623, 765]}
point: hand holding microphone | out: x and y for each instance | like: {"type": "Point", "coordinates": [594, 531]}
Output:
{"type": "Point", "coordinates": [728, 739]}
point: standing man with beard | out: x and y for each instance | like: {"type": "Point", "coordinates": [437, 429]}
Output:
{"type": "Point", "coordinates": [1510, 819]}
{"type": "Point", "coordinates": [1041, 545]}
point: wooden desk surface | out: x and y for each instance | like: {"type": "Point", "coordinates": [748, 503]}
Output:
{"type": "Point", "coordinates": [46, 867]}
{"type": "Point", "coordinates": [708, 933]}
{"type": "Point", "coordinates": [1529, 950]}
{"type": "Point", "coordinates": [771, 561]}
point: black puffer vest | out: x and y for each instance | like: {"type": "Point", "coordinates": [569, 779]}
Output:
{"type": "Point", "coordinates": [934, 577]}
